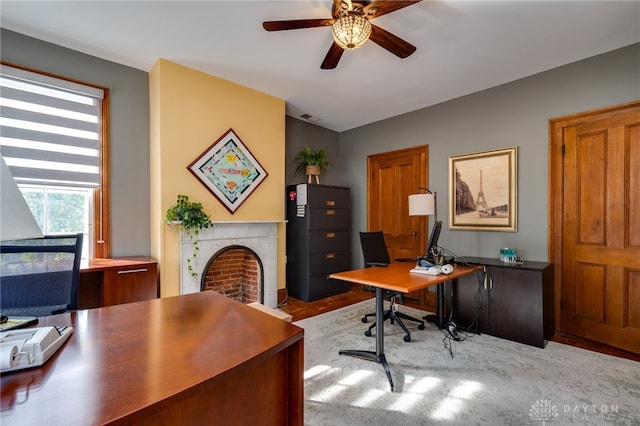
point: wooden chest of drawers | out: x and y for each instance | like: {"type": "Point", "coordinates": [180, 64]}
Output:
{"type": "Point", "coordinates": [105, 282]}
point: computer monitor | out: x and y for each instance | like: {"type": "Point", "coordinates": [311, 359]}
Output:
{"type": "Point", "coordinates": [433, 239]}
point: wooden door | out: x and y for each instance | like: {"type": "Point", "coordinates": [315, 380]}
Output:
{"type": "Point", "coordinates": [600, 265]}
{"type": "Point", "coordinates": [392, 177]}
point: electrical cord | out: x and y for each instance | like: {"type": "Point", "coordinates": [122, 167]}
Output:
{"type": "Point", "coordinates": [446, 340]}
{"type": "Point", "coordinates": [450, 335]}
{"type": "Point", "coordinates": [450, 330]}
{"type": "Point", "coordinates": [479, 302]}
{"type": "Point", "coordinates": [284, 301]}
{"type": "Point", "coordinates": [456, 334]}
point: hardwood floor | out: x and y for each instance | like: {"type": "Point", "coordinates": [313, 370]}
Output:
{"type": "Point", "coordinates": [301, 310]}
{"type": "Point", "coordinates": [594, 346]}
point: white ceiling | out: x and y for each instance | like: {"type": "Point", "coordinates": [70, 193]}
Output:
{"type": "Point", "coordinates": [462, 47]}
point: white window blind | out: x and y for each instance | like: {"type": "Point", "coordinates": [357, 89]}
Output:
{"type": "Point", "coordinates": [50, 129]}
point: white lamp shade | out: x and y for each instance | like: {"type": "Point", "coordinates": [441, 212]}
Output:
{"type": "Point", "coordinates": [16, 220]}
{"type": "Point", "coordinates": [422, 204]}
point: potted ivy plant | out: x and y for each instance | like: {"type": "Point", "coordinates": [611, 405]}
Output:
{"type": "Point", "coordinates": [190, 216]}
{"type": "Point", "coordinates": [312, 162]}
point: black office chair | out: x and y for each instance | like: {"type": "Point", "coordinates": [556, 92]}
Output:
{"type": "Point", "coordinates": [39, 276]}
{"type": "Point", "coordinates": [374, 251]}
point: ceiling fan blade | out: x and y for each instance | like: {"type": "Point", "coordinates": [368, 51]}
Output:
{"type": "Point", "coordinates": [379, 8]}
{"type": "Point", "coordinates": [333, 56]}
{"type": "Point", "coordinates": [392, 43]}
{"type": "Point", "coordinates": [296, 24]}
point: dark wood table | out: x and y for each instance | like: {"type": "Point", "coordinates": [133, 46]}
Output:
{"type": "Point", "coordinates": [395, 277]}
{"type": "Point", "coordinates": [187, 360]}
{"type": "Point", "coordinates": [105, 282]}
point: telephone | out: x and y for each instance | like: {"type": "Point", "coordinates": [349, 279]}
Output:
{"type": "Point", "coordinates": [433, 270]}
{"type": "Point", "coordinates": [30, 347]}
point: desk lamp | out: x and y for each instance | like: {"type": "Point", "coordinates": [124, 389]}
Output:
{"type": "Point", "coordinates": [16, 220]}
{"type": "Point", "coordinates": [423, 204]}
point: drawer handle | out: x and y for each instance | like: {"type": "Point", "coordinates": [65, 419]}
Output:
{"type": "Point", "coordinates": [331, 212]}
{"type": "Point", "coordinates": [132, 271]}
{"type": "Point", "coordinates": [331, 234]}
{"type": "Point", "coordinates": [330, 203]}
{"type": "Point", "coordinates": [331, 255]}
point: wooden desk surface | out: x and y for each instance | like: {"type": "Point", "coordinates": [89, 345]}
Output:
{"type": "Point", "coordinates": [396, 277]}
{"type": "Point", "coordinates": [128, 363]}
{"type": "Point", "coordinates": [105, 264]}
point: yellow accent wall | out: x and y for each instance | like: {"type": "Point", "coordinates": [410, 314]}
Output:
{"type": "Point", "coordinates": [190, 110]}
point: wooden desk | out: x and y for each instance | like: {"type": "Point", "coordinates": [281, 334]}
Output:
{"type": "Point", "coordinates": [196, 359]}
{"type": "Point", "coordinates": [395, 277]}
{"type": "Point", "coordinates": [106, 282]}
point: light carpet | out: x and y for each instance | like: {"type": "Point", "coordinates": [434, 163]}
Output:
{"type": "Point", "coordinates": [488, 381]}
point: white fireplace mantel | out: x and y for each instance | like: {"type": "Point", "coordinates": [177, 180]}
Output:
{"type": "Point", "coordinates": [259, 236]}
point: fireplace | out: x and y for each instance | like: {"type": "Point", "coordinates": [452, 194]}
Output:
{"type": "Point", "coordinates": [260, 238]}
{"type": "Point", "coordinates": [235, 272]}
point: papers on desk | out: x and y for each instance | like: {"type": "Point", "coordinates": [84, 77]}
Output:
{"type": "Point", "coordinates": [30, 347]}
{"type": "Point", "coordinates": [17, 322]}
{"type": "Point", "coordinates": [427, 270]}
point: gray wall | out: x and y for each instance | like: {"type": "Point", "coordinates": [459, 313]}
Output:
{"type": "Point", "coordinates": [300, 134]}
{"type": "Point", "coordinates": [129, 130]}
{"type": "Point", "coordinates": [512, 114]}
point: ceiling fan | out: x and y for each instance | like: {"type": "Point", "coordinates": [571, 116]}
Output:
{"type": "Point", "coordinates": [351, 28]}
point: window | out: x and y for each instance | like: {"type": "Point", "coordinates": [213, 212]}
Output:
{"type": "Point", "coordinates": [52, 139]}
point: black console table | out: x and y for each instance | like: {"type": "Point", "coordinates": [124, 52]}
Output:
{"type": "Point", "coordinates": [516, 300]}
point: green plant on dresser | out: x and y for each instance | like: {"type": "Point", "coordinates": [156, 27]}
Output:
{"type": "Point", "coordinates": [312, 162]}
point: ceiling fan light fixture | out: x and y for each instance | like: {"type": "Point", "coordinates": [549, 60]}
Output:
{"type": "Point", "coordinates": [351, 31]}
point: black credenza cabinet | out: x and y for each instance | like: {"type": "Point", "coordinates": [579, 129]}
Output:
{"type": "Point", "coordinates": [318, 240]}
{"type": "Point", "coordinates": [517, 305]}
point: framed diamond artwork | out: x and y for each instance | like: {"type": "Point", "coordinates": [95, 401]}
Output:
{"type": "Point", "coordinates": [228, 170]}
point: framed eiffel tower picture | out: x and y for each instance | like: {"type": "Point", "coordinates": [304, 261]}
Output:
{"type": "Point", "coordinates": [483, 190]}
